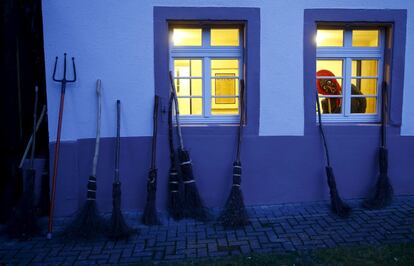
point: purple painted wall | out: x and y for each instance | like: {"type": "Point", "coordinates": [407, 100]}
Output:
{"type": "Point", "coordinates": [275, 169]}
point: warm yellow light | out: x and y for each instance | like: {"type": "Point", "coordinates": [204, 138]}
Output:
{"type": "Point", "coordinates": [186, 37]}
{"type": "Point", "coordinates": [320, 37]}
{"type": "Point", "coordinates": [224, 37]}
{"type": "Point", "coordinates": [178, 36]}
{"type": "Point", "coordinates": [329, 38]}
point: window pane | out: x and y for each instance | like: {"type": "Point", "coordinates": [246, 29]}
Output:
{"type": "Point", "coordinates": [187, 37]}
{"type": "Point", "coordinates": [224, 37]}
{"type": "Point", "coordinates": [329, 86]}
{"type": "Point", "coordinates": [364, 86]}
{"type": "Point", "coordinates": [225, 106]}
{"type": "Point", "coordinates": [365, 38]}
{"type": "Point", "coordinates": [224, 67]}
{"type": "Point", "coordinates": [331, 105]}
{"type": "Point", "coordinates": [365, 105]}
{"type": "Point", "coordinates": [187, 68]}
{"type": "Point", "coordinates": [326, 66]}
{"type": "Point", "coordinates": [364, 68]}
{"type": "Point", "coordinates": [190, 106]}
{"type": "Point", "coordinates": [189, 87]}
{"type": "Point", "coordinates": [326, 38]}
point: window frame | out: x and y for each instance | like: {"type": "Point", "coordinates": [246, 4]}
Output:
{"type": "Point", "coordinates": [347, 53]}
{"type": "Point", "coordinates": [206, 53]}
{"type": "Point", "coordinates": [250, 18]}
{"type": "Point", "coordinates": [395, 22]}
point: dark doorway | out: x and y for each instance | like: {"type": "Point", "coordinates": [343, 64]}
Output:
{"type": "Point", "coordinates": [22, 68]}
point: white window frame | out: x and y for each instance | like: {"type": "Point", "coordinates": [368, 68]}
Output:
{"type": "Point", "coordinates": [206, 53]}
{"type": "Point", "coordinates": [347, 53]}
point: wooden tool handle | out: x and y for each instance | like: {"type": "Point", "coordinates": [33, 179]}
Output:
{"type": "Point", "coordinates": [98, 128]}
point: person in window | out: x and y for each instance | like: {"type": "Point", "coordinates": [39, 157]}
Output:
{"type": "Point", "coordinates": [332, 87]}
{"type": "Point", "coordinates": [358, 105]}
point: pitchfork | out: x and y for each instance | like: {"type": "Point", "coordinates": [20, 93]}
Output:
{"type": "Point", "coordinates": [56, 159]}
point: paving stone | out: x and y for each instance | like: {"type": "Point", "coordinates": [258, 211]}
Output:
{"type": "Point", "coordinates": [114, 258]}
{"type": "Point", "coordinates": [277, 228]}
{"type": "Point", "coordinates": [174, 257]}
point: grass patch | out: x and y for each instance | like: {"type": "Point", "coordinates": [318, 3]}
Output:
{"type": "Point", "coordinates": [398, 254]}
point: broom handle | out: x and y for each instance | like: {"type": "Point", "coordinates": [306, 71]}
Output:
{"type": "Point", "coordinates": [177, 112]}
{"type": "Point", "coordinates": [154, 131]}
{"type": "Point", "coordinates": [118, 139]}
{"type": "Point", "coordinates": [98, 128]}
{"type": "Point", "coordinates": [34, 128]}
{"type": "Point", "coordinates": [325, 145]}
{"type": "Point", "coordinates": [170, 128]}
{"type": "Point", "coordinates": [241, 120]}
{"type": "Point", "coordinates": [384, 111]}
{"type": "Point", "coordinates": [29, 143]}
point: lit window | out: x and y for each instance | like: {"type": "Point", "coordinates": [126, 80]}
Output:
{"type": "Point", "coordinates": [349, 65]}
{"type": "Point", "coordinates": [187, 37]}
{"type": "Point", "coordinates": [207, 65]}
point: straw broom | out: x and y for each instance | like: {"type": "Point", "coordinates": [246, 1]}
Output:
{"type": "Point", "coordinates": [175, 203]}
{"type": "Point", "coordinates": [193, 205]}
{"type": "Point", "coordinates": [383, 191]}
{"type": "Point", "coordinates": [88, 223]}
{"type": "Point", "coordinates": [150, 213]}
{"type": "Point", "coordinates": [337, 205]}
{"type": "Point", "coordinates": [234, 214]}
{"type": "Point", "coordinates": [118, 228]}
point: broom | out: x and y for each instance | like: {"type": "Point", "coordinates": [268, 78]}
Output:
{"type": "Point", "coordinates": [150, 213]}
{"type": "Point", "coordinates": [88, 223]}
{"type": "Point", "coordinates": [383, 190]}
{"type": "Point", "coordinates": [193, 205]}
{"type": "Point", "coordinates": [234, 214]}
{"type": "Point", "coordinates": [118, 228]}
{"type": "Point", "coordinates": [337, 205]}
{"type": "Point", "coordinates": [175, 204]}
{"type": "Point", "coordinates": [23, 224]}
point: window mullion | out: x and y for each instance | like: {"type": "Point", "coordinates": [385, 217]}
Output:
{"type": "Point", "coordinates": [206, 87]}
{"type": "Point", "coordinates": [206, 37]}
{"type": "Point", "coordinates": [348, 39]}
{"type": "Point", "coordinates": [346, 87]}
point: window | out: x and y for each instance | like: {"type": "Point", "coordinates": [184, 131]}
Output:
{"type": "Point", "coordinates": [207, 65]}
{"type": "Point", "coordinates": [247, 21]}
{"type": "Point", "coordinates": [392, 24]}
{"type": "Point", "coordinates": [349, 70]}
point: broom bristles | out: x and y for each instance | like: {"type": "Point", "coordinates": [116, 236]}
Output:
{"type": "Point", "coordinates": [193, 205]}
{"type": "Point", "coordinates": [23, 223]}
{"type": "Point", "coordinates": [234, 214]}
{"type": "Point", "coordinates": [337, 205]}
{"type": "Point", "coordinates": [150, 212]}
{"type": "Point", "coordinates": [383, 192]}
{"type": "Point", "coordinates": [175, 205]}
{"type": "Point", "coordinates": [87, 223]}
{"type": "Point", "coordinates": [118, 228]}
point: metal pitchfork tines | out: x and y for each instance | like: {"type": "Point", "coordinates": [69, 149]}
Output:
{"type": "Point", "coordinates": [63, 81]}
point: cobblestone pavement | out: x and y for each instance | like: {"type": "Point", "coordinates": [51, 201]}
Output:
{"type": "Point", "coordinates": [277, 228]}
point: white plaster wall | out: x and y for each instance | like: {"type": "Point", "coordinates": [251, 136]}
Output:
{"type": "Point", "coordinates": [113, 40]}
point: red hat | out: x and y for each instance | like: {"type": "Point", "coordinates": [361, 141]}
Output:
{"type": "Point", "coordinates": [328, 86]}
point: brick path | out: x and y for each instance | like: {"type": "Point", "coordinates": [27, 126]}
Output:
{"type": "Point", "coordinates": [278, 228]}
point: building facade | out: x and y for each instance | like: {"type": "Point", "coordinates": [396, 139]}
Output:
{"type": "Point", "coordinates": [279, 48]}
